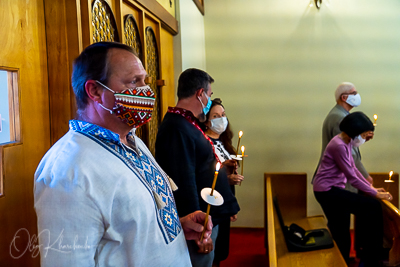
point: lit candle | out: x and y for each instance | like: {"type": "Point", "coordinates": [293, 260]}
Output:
{"type": "Point", "coordinates": [389, 181]}
{"type": "Point", "coordinates": [212, 193]}
{"type": "Point", "coordinates": [241, 172]}
{"type": "Point", "coordinates": [240, 136]}
{"type": "Point", "coordinates": [215, 178]}
{"type": "Point", "coordinates": [390, 177]}
{"type": "Point", "coordinates": [242, 148]}
{"type": "Point", "coordinates": [375, 118]}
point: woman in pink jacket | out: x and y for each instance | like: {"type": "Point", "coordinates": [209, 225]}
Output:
{"type": "Point", "coordinates": [337, 167]}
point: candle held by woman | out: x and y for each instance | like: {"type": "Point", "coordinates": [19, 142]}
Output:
{"type": "Point", "coordinates": [241, 172]}
{"type": "Point", "coordinates": [242, 149]}
{"type": "Point", "coordinates": [215, 178]}
{"type": "Point", "coordinates": [240, 136]}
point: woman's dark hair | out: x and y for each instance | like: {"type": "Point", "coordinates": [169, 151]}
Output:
{"type": "Point", "coordinates": [192, 80]}
{"type": "Point", "coordinates": [225, 137]}
{"type": "Point", "coordinates": [92, 64]}
{"type": "Point", "coordinates": [356, 123]}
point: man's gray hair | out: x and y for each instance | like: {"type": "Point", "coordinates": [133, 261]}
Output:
{"type": "Point", "coordinates": [344, 87]}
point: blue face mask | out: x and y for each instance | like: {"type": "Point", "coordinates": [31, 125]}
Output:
{"type": "Point", "coordinates": [206, 109]}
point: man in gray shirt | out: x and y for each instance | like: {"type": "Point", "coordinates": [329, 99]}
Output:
{"type": "Point", "coordinates": [346, 97]}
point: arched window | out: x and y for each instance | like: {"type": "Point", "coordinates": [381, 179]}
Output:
{"type": "Point", "coordinates": [103, 23]}
{"type": "Point", "coordinates": [153, 72]}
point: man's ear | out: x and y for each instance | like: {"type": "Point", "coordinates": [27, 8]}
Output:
{"type": "Point", "coordinates": [199, 92]}
{"type": "Point", "coordinates": [93, 90]}
{"type": "Point", "coordinates": [344, 97]}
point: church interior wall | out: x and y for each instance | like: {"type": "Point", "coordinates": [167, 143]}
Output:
{"type": "Point", "coordinates": [276, 65]}
{"type": "Point", "coordinates": [189, 43]}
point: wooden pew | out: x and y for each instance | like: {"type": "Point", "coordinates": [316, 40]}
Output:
{"type": "Point", "coordinates": [388, 219]}
{"type": "Point", "coordinates": [293, 187]}
{"type": "Point", "coordinates": [391, 220]}
{"type": "Point", "coordinates": [379, 182]}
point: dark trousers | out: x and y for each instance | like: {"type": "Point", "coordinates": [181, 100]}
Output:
{"type": "Point", "coordinates": [337, 205]}
{"type": "Point", "coordinates": [221, 250]}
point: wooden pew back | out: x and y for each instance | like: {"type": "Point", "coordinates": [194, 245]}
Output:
{"type": "Point", "coordinates": [379, 182]}
{"type": "Point", "coordinates": [391, 219]}
{"type": "Point", "coordinates": [277, 251]}
{"type": "Point", "coordinates": [270, 215]}
{"type": "Point", "coordinates": [291, 191]}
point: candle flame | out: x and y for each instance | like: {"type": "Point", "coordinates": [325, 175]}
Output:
{"type": "Point", "coordinates": [240, 134]}
{"type": "Point", "coordinates": [217, 167]}
{"type": "Point", "coordinates": [390, 174]}
{"type": "Point", "coordinates": [242, 148]}
{"type": "Point", "coordinates": [375, 117]}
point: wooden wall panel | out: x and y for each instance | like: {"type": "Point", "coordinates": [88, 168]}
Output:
{"type": "Point", "coordinates": [60, 91]}
{"type": "Point", "coordinates": [152, 6]}
{"type": "Point", "coordinates": [23, 47]}
{"type": "Point", "coordinates": [154, 23]}
{"type": "Point", "coordinates": [128, 8]}
{"type": "Point", "coordinates": [42, 40]}
{"type": "Point", "coordinates": [167, 70]}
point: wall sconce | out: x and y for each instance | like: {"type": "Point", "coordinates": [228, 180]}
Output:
{"type": "Point", "coordinates": [317, 3]}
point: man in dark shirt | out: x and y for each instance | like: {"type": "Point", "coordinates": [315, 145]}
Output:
{"type": "Point", "coordinates": [187, 156]}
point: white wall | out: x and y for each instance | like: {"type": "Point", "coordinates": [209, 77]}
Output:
{"type": "Point", "coordinates": [276, 66]}
{"type": "Point", "coordinates": [189, 44]}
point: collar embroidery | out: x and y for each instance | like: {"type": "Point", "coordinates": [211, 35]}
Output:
{"type": "Point", "coordinates": [144, 167]}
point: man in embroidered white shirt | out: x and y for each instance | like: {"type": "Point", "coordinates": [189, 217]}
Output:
{"type": "Point", "coordinates": [100, 197]}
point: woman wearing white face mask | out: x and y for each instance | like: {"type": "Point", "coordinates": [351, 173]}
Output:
{"type": "Point", "coordinates": [217, 128]}
{"type": "Point", "coordinates": [337, 166]}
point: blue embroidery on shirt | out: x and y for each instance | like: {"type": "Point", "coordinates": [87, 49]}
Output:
{"type": "Point", "coordinates": [149, 172]}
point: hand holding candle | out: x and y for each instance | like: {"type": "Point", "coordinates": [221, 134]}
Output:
{"type": "Point", "coordinates": [210, 199]}
{"type": "Point", "coordinates": [240, 136]}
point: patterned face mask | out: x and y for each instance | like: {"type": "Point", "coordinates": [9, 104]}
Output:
{"type": "Point", "coordinates": [133, 106]}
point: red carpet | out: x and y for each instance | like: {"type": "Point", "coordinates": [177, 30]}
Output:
{"type": "Point", "coordinates": [246, 248]}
